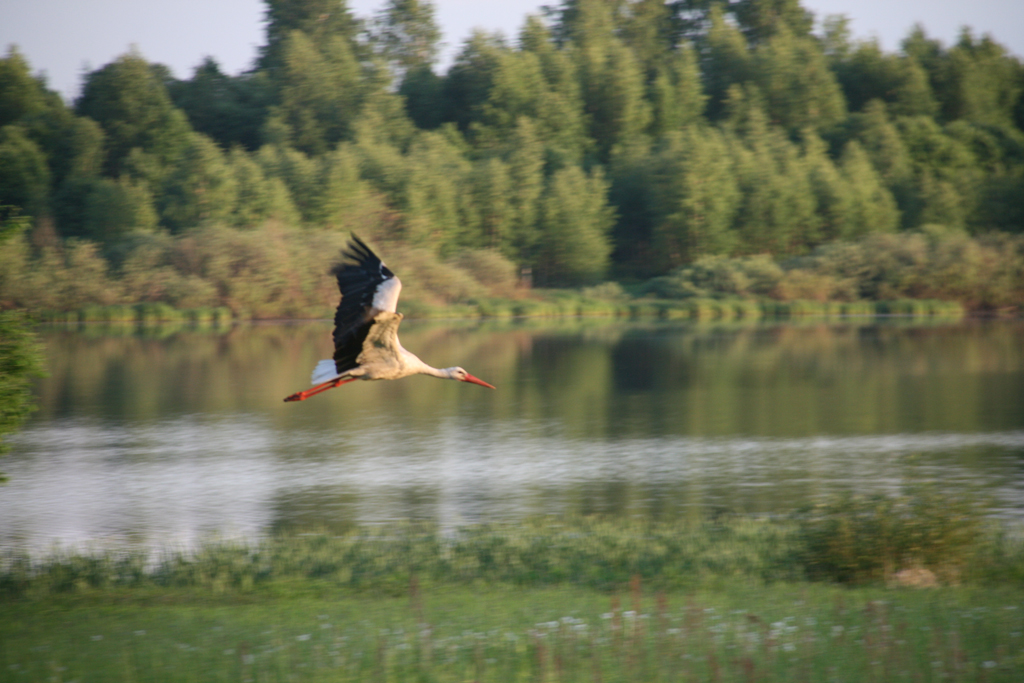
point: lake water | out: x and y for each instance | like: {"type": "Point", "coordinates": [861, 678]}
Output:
{"type": "Point", "coordinates": [171, 436]}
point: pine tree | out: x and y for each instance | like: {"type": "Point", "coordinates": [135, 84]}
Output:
{"type": "Point", "coordinates": [676, 93]}
{"type": "Point", "coordinates": [872, 207]}
{"type": "Point", "coordinates": [431, 198]}
{"type": "Point", "coordinates": [406, 34]}
{"type": "Point", "coordinates": [493, 209]}
{"type": "Point", "coordinates": [298, 172]}
{"type": "Point", "coordinates": [612, 81]}
{"type": "Point", "coordinates": [468, 82]}
{"type": "Point", "coordinates": [525, 160]}
{"type": "Point", "coordinates": [574, 224]}
{"type": "Point", "coordinates": [832, 193]}
{"type": "Point", "coordinates": [867, 74]}
{"type": "Point", "coordinates": [777, 209]}
{"type": "Point", "coordinates": [320, 20]}
{"type": "Point", "coordinates": [259, 198]}
{"type": "Point", "coordinates": [697, 197]}
{"type": "Point", "coordinates": [320, 90]}
{"type": "Point", "coordinates": [762, 19]}
{"type": "Point", "coordinates": [726, 60]}
{"type": "Point", "coordinates": [800, 90]}
{"type": "Point", "coordinates": [21, 95]}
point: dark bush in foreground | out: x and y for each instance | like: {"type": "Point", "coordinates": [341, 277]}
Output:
{"type": "Point", "coordinates": [858, 539]}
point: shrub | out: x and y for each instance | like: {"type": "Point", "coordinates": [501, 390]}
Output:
{"type": "Point", "coordinates": [489, 268]}
{"type": "Point", "coordinates": [979, 273]}
{"type": "Point", "coordinates": [857, 539]}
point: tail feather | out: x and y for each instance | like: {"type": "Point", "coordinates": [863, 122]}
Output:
{"type": "Point", "coordinates": [325, 370]}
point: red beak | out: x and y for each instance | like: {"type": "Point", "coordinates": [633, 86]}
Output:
{"type": "Point", "coordinates": [477, 380]}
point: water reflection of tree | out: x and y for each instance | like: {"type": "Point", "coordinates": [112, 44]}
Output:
{"type": "Point", "coordinates": [598, 378]}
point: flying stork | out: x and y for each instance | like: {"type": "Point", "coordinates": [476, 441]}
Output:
{"type": "Point", "coordinates": [366, 342]}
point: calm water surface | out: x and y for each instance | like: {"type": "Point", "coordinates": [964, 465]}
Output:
{"type": "Point", "coordinates": [171, 436]}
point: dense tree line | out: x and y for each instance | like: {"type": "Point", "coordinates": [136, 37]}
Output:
{"type": "Point", "coordinates": [610, 138]}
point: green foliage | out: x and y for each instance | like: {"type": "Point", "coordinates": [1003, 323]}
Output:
{"type": "Point", "coordinates": [798, 87]}
{"type": "Point", "coordinates": [20, 362]}
{"type": "Point", "coordinates": [321, 20]}
{"type": "Point", "coordinates": [868, 74]}
{"type": "Point", "coordinates": [21, 95]}
{"type": "Point", "coordinates": [229, 109]}
{"type": "Point", "coordinates": [115, 208]}
{"type": "Point", "coordinates": [941, 271]}
{"type": "Point", "coordinates": [200, 189]}
{"type": "Point", "coordinates": [574, 223]}
{"type": "Point", "coordinates": [676, 93]}
{"type": "Point", "coordinates": [708, 276]}
{"type": "Point", "coordinates": [319, 91]}
{"type": "Point", "coordinates": [407, 34]}
{"type": "Point", "coordinates": [849, 539]}
{"type": "Point", "coordinates": [856, 539]}
{"type": "Point", "coordinates": [776, 211]}
{"type": "Point", "coordinates": [130, 102]}
{"type": "Point", "coordinates": [24, 174]}
{"type": "Point", "coordinates": [696, 196]}
{"type": "Point", "coordinates": [721, 128]}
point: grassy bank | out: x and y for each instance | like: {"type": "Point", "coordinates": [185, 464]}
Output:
{"type": "Point", "coordinates": [739, 632]}
{"type": "Point", "coordinates": [854, 541]}
{"type": "Point", "coordinates": [835, 592]}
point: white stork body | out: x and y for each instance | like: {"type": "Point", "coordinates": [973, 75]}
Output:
{"type": "Point", "coordinates": [366, 324]}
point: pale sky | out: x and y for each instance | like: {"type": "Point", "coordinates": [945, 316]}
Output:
{"type": "Point", "coordinates": [65, 38]}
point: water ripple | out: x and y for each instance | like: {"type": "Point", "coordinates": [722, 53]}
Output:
{"type": "Point", "coordinates": [177, 481]}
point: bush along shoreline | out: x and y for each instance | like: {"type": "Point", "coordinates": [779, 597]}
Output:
{"type": "Point", "coordinates": [275, 272]}
{"type": "Point", "coordinates": [920, 537]}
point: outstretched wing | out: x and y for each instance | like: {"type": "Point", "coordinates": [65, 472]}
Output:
{"type": "Point", "coordinates": [381, 354]}
{"type": "Point", "coordinates": [367, 287]}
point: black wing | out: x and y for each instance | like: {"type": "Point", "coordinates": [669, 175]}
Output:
{"type": "Point", "coordinates": [360, 275]}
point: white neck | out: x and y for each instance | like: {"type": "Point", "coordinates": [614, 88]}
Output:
{"type": "Point", "coordinates": [424, 369]}
{"type": "Point", "coordinates": [443, 373]}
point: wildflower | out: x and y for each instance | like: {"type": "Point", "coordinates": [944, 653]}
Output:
{"type": "Point", "coordinates": [304, 636]}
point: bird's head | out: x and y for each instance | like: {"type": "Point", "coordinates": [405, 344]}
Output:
{"type": "Point", "coordinates": [463, 376]}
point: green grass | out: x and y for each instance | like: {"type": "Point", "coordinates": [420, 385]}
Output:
{"type": "Point", "coordinates": [725, 599]}
{"type": "Point", "coordinates": [740, 632]}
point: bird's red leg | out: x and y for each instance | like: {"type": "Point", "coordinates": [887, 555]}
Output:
{"type": "Point", "coordinates": [319, 389]}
